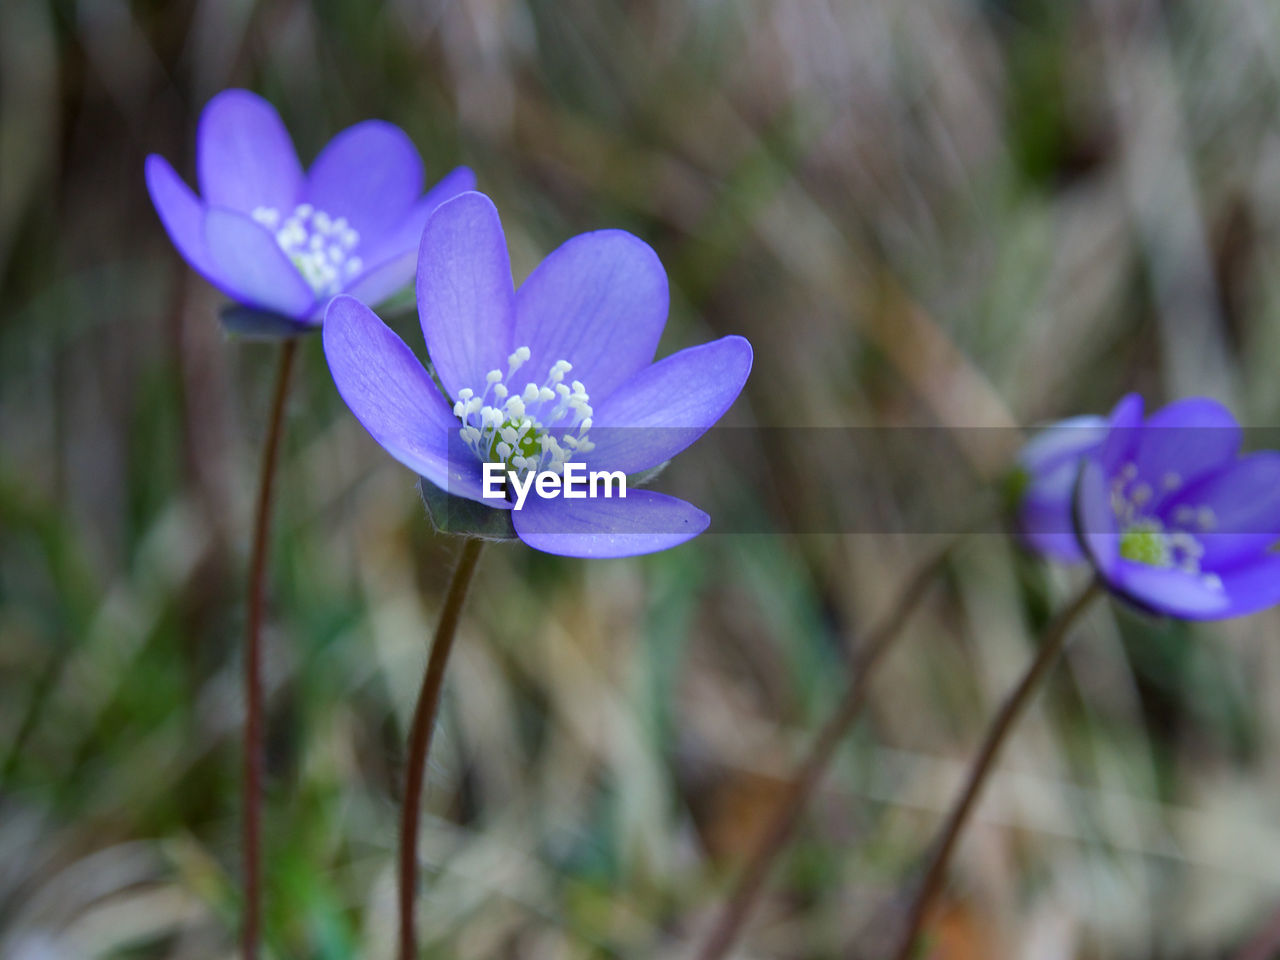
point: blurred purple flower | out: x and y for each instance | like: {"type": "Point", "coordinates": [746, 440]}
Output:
{"type": "Point", "coordinates": [595, 308]}
{"type": "Point", "coordinates": [281, 241]}
{"type": "Point", "coordinates": [1045, 486]}
{"type": "Point", "coordinates": [1174, 519]}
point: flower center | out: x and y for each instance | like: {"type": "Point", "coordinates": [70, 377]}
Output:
{"type": "Point", "coordinates": [537, 429]}
{"type": "Point", "coordinates": [1145, 542]}
{"type": "Point", "coordinates": [319, 245]}
{"type": "Point", "coordinates": [1147, 539]}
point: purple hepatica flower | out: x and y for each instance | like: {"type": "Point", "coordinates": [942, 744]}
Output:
{"type": "Point", "coordinates": [1045, 485]}
{"type": "Point", "coordinates": [277, 240]}
{"type": "Point", "coordinates": [1174, 519]}
{"type": "Point", "coordinates": [595, 308]}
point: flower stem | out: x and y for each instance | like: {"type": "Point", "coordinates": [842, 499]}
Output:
{"type": "Point", "coordinates": [424, 716]}
{"type": "Point", "coordinates": [254, 752]}
{"type": "Point", "coordinates": [786, 815]}
{"type": "Point", "coordinates": [1054, 640]}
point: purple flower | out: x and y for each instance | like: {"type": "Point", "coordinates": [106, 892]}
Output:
{"type": "Point", "coordinates": [1174, 519]}
{"type": "Point", "coordinates": [281, 241]}
{"type": "Point", "coordinates": [1045, 485]}
{"type": "Point", "coordinates": [560, 371]}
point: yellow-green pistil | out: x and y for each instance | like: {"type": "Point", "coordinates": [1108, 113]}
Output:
{"type": "Point", "coordinates": [1145, 542]}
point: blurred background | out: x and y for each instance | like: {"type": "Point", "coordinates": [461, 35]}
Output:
{"type": "Point", "coordinates": [944, 214]}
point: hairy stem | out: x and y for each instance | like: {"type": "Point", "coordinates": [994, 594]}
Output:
{"type": "Point", "coordinates": [254, 751]}
{"type": "Point", "coordinates": [1054, 640]}
{"type": "Point", "coordinates": [786, 815]}
{"type": "Point", "coordinates": [424, 716]}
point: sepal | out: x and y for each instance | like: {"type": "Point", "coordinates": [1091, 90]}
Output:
{"type": "Point", "coordinates": [250, 323]}
{"type": "Point", "coordinates": [463, 517]}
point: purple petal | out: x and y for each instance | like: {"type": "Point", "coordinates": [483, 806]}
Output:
{"type": "Point", "coordinates": [408, 235]}
{"type": "Point", "coordinates": [1062, 442]}
{"type": "Point", "coordinates": [599, 301]}
{"type": "Point", "coordinates": [369, 173]}
{"type": "Point", "coordinates": [1169, 591]}
{"type": "Point", "coordinates": [244, 156]}
{"type": "Point", "coordinates": [1244, 502]}
{"type": "Point", "coordinates": [181, 212]}
{"type": "Point", "coordinates": [1123, 424]}
{"type": "Point", "coordinates": [392, 395]}
{"type": "Point", "coordinates": [644, 522]}
{"type": "Point", "coordinates": [389, 277]}
{"type": "Point", "coordinates": [1252, 586]}
{"type": "Point", "coordinates": [1188, 439]}
{"type": "Point", "coordinates": [252, 267]}
{"type": "Point", "coordinates": [665, 407]}
{"type": "Point", "coordinates": [465, 296]}
{"type": "Point", "coordinates": [1051, 464]}
{"type": "Point", "coordinates": [456, 181]}
{"type": "Point", "coordinates": [395, 258]}
{"type": "Point", "coordinates": [1095, 520]}
{"type": "Point", "coordinates": [1045, 527]}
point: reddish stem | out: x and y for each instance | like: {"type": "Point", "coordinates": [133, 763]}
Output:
{"type": "Point", "coordinates": [254, 752]}
{"type": "Point", "coordinates": [424, 716]}
{"type": "Point", "coordinates": [1055, 639]}
{"type": "Point", "coordinates": [786, 816]}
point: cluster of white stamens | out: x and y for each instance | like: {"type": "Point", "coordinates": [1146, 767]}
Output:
{"type": "Point", "coordinates": [1145, 538]}
{"type": "Point", "coordinates": [538, 429]}
{"type": "Point", "coordinates": [319, 245]}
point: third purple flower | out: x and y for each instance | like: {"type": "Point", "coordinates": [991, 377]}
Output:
{"type": "Point", "coordinates": [1175, 519]}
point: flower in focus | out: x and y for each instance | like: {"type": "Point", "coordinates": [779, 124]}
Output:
{"type": "Point", "coordinates": [1044, 485]}
{"type": "Point", "coordinates": [1174, 519]}
{"type": "Point", "coordinates": [279, 240]}
{"type": "Point", "coordinates": [558, 371]}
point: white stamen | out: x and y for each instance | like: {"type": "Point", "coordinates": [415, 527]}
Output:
{"type": "Point", "coordinates": [517, 360]}
{"type": "Point", "coordinates": [537, 428]}
{"type": "Point", "coordinates": [320, 246]}
{"type": "Point", "coordinates": [269, 217]}
{"type": "Point", "coordinates": [1145, 538]}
